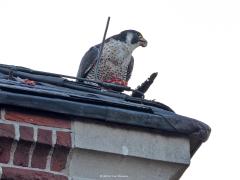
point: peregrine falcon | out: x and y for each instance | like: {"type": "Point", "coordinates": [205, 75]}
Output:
{"type": "Point", "coordinates": [116, 62]}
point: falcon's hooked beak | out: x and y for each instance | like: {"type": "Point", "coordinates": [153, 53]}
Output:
{"type": "Point", "coordinates": [143, 42]}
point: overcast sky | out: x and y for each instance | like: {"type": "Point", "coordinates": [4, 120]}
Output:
{"type": "Point", "coordinates": [194, 45]}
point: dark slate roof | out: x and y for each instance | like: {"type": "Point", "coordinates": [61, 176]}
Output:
{"type": "Point", "coordinates": [56, 93]}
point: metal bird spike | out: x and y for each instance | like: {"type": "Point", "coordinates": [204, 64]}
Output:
{"type": "Point", "coordinates": [101, 49]}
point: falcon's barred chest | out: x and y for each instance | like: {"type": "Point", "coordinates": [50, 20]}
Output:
{"type": "Point", "coordinates": [114, 62]}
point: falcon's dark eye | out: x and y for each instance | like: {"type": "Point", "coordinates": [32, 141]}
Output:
{"type": "Point", "coordinates": [139, 34]}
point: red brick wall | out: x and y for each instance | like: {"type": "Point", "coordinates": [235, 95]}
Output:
{"type": "Point", "coordinates": [33, 144]}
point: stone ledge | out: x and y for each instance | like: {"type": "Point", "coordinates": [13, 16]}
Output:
{"type": "Point", "coordinates": [89, 165]}
{"type": "Point", "coordinates": [131, 143]}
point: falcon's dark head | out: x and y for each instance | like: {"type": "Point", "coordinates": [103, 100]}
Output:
{"type": "Point", "coordinates": [131, 37]}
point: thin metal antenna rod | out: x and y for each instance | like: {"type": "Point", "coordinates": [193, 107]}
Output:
{"type": "Point", "coordinates": [101, 49]}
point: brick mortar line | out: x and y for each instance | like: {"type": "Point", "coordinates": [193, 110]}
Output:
{"type": "Point", "coordinates": [54, 137]}
{"type": "Point", "coordinates": [31, 154]}
{"type": "Point", "coordinates": [17, 132]}
{"type": "Point", "coordinates": [69, 159]}
{"type": "Point", "coordinates": [2, 113]}
{"type": "Point", "coordinates": [70, 154]}
{"type": "Point", "coordinates": [35, 133]}
{"type": "Point", "coordinates": [49, 157]}
{"type": "Point", "coordinates": [73, 134]}
{"type": "Point", "coordinates": [32, 148]}
{"type": "Point", "coordinates": [1, 172]}
{"type": "Point", "coordinates": [35, 169]}
{"type": "Point", "coordinates": [12, 152]}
